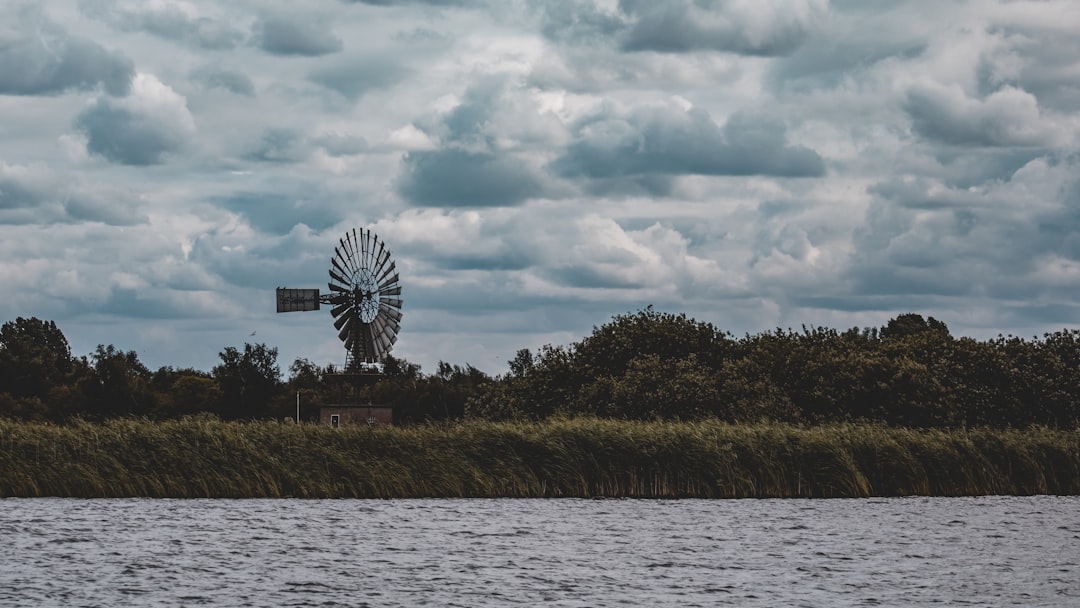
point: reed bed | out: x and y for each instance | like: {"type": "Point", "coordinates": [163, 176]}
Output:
{"type": "Point", "coordinates": [586, 457]}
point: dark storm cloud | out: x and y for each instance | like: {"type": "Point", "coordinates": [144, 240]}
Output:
{"type": "Point", "coordinates": [293, 36]}
{"type": "Point", "coordinates": [469, 169]}
{"type": "Point", "coordinates": [1047, 69]}
{"type": "Point", "coordinates": [493, 245]}
{"type": "Point", "coordinates": [42, 59]}
{"type": "Point", "coordinates": [40, 196]}
{"type": "Point", "coordinates": [427, 2]}
{"type": "Point", "coordinates": [276, 213]}
{"type": "Point", "coordinates": [341, 145]}
{"type": "Point", "coordinates": [127, 136]}
{"type": "Point", "coordinates": [294, 258]}
{"type": "Point", "coordinates": [1007, 117]}
{"type": "Point", "coordinates": [146, 304]}
{"type": "Point", "coordinates": [923, 238]}
{"type": "Point", "coordinates": [354, 78]}
{"type": "Point", "coordinates": [827, 61]}
{"type": "Point", "coordinates": [213, 77]}
{"type": "Point", "coordinates": [508, 258]}
{"type": "Point", "coordinates": [966, 167]}
{"type": "Point", "coordinates": [16, 191]}
{"type": "Point", "coordinates": [652, 185]}
{"type": "Point", "coordinates": [460, 178]}
{"type": "Point", "coordinates": [165, 21]}
{"type": "Point", "coordinates": [687, 25]}
{"type": "Point", "coordinates": [279, 145]}
{"type": "Point", "coordinates": [593, 277]}
{"type": "Point", "coordinates": [578, 22]}
{"type": "Point", "coordinates": [671, 141]}
{"type": "Point", "coordinates": [113, 210]}
{"type": "Point", "coordinates": [682, 26]}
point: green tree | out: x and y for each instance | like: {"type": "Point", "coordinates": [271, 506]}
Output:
{"type": "Point", "coordinates": [34, 356]}
{"type": "Point", "coordinates": [910, 323]}
{"type": "Point", "coordinates": [119, 384]}
{"type": "Point", "coordinates": [249, 381]}
{"type": "Point", "coordinates": [653, 388]}
{"type": "Point", "coordinates": [35, 362]}
{"type": "Point", "coordinates": [611, 347]}
{"type": "Point", "coordinates": [184, 392]}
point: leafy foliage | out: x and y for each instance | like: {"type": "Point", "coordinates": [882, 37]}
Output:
{"type": "Point", "coordinates": [911, 372]}
{"type": "Point", "coordinates": [647, 365]}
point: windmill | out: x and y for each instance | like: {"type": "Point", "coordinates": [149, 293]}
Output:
{"type": "Point", "coordinates": [365, 296]}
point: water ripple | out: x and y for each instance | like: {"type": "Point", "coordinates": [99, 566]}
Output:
{"type": "Point", "coordinates": [900, 552]}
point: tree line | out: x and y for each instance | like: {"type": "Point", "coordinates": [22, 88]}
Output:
{"type": "Point", "coordinates": [40, 379]}
{"type": "Point", "coordinates": [639, 366]}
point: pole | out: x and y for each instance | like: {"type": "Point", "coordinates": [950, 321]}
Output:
{"type": "Point", "coordinates": [297, 407]}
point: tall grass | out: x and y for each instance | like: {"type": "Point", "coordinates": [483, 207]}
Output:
{"type": "Point", "coordinates": [202, 457]}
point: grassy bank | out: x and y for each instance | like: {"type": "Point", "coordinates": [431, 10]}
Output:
{"type": "Point", "coordinates": [581, 457]}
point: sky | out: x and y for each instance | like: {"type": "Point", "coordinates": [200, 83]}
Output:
{"type": "Point", "coordinates": [536, 167]}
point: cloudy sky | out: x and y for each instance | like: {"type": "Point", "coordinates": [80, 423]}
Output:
{"type": "Point", "coordinates": [536, 167]}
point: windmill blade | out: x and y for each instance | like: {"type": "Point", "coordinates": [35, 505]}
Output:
{"type": "Point", "coordinates": [379, 259]}
{"type": "Point", "coordinates": [346, 328]}
{"type": "Point", "coordinates": [380, 326]}
{"type": "Point", "coordinates": [381, 343]}
{"type": "Point", "coordinates": [361, 248]}
{"type": "Point", "coordinates": [337, 288]}
{"type": "Point", "coordinates": [389, 338]}
{"type": "Point", "coordinates": [365, 238]}
{"type": "Point", "coordinates": [389, 269]}
{"type": "Point", "coordinates": [373, 248]}
{"type": "Point", "coordinates": [389, 330]}
{"type": "Point", "coordinates": [344, 255]}
{"type": "Point", "coordinates": [384, 257]}
{"type": "Point", "coordinates": [337, 277]}
{"type": "Point", "coordinates": [350, 250]}
{"type": "Point", "coordinates": [340, 308]}
{"type": "Point", "coordinates": [388, 321]}
{"type": "Point", "coordinates": [393, 324]}
{"type": "Point", "coordinates": [340, 268]}
{"type": "Point", "coordinates": [383, 251]}
{"type": "Point", "coordinates": [358, 248]}
{"type": "Point", "coordinates": [384, 300]}
{"type": "Point", "coordinates": [369, 341]}
{"type": "Point", "coordinates": [342, 320]}
{"type": "Point", "coordinates": [376, 328]}
{"type": "Point", "coordinates": [375, 252]}
{"type": "Point", "coordinates": [389, 282]}
{"type": "Point", "coordinates": [390, 312]}
{"type": "Point", "coordinates": [381, 348]}
{"type": "Point", "coordinates": [394, 291]}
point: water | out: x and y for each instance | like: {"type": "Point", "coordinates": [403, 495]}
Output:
{"type": "Point", "coordinates": [992, 551]}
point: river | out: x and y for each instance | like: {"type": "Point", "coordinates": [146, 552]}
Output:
{"type": "Point", "coordinates": [986, 551]}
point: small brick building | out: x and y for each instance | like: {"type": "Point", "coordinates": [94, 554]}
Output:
{"type": "Point", "coordinates": [341, 415]}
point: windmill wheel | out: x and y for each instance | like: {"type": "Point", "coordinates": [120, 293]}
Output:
{"type": "Point", "coordinates": [365, 295]}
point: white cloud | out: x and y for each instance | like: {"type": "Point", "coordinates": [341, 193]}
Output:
{"type": "Point", "coordinates": [142, 128]}
{"type": "Point", "coordinates": [536, 167]}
